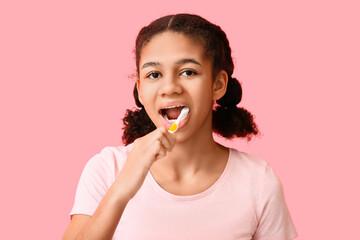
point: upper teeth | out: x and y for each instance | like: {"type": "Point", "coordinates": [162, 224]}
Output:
{"type": "Point", "coordinates": [172, 107]}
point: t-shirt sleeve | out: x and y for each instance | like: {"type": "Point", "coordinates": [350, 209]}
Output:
{"type": "Point", "coordinates": [275, 220]}
{"type": "Point", "coordinates": [95, 180]}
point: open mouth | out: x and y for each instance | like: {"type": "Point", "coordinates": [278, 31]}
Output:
{"type": "Point", "coordinates": [171, 113]}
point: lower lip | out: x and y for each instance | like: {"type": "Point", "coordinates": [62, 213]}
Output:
{"type": "Point", "coordinates": [181, 123]}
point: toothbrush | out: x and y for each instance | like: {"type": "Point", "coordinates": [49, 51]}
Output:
{"type": "Point", "coordinates": [183, 114]}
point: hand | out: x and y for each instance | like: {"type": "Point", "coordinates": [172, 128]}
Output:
{"type": "Point", "coordinates": [145, 151]}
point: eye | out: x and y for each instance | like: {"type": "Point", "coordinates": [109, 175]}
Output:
{"type": "Point", "coordinates": [153, 75]}
{"type": "Point", "coordinates": [189, 73]}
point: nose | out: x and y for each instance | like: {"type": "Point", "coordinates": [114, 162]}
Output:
{"type": "Point", "coordinates": [170, 85]}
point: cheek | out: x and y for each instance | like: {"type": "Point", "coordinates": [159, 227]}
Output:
{"type": "Point", "coordinates": [201, 92]}
{"type": "Point", "coordinates": [148, 99]}
{"type": "Point", "coordinates": [202, 100]}
{"type": "Point", "coordinates": [147, 93]}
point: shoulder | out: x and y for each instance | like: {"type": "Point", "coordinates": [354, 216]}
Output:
{"type": "Point", "coordinates": [109, 159]}
{"type": "Point", "coordinates": [256, 170]}
{"type": "Point", "coordinates": [265, 181]}
{"type": "Point", "coordinates": [259, 173]}
{"type": "Point", "coordinates": [252, 164]}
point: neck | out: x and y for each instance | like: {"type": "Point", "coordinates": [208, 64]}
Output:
{"type": "Point", "coordinates": [197, 154]}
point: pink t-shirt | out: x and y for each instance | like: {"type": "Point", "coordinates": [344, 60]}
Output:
{"type": "Point", "coordinates": [246, 202]}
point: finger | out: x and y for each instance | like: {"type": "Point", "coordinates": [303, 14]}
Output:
{"type": "Point", "coordinates": [161, 152]}
{"type": "Point", "coordinates": [160, 135]}
{"type": "Point", "coordinates": [170, 138]}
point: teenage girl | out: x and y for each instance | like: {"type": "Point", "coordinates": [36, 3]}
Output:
{"type": "Point", "coordinates": [181, 185]}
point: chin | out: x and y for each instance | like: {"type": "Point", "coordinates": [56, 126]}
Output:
{"type": "Point", "coordinates": [181, 137]}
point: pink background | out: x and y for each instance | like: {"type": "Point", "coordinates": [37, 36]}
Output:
{"type": "Point", "coordinates": [64, 68]}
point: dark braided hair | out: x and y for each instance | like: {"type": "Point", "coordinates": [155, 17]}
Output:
{"type": "Point", "coordinates": [228, 120]}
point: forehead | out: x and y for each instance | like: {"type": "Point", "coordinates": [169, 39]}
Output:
{"type": "Point", "coordinates": [170, 46]}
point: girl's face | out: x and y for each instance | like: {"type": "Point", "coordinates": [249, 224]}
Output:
{"type": "Point", "coordinates": [173, 71]}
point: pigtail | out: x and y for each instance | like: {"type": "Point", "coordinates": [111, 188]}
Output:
{"type": "Point", "coordinates": [230, 121]}
{"type": "Point", "coordinates": [136, 122]}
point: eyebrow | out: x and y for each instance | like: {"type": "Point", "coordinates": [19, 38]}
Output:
{"type": "Point", "coordinates": [181, 61]}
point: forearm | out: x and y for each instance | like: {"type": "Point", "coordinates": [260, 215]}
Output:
{"type": "Point", "coordinates": [106, 217]}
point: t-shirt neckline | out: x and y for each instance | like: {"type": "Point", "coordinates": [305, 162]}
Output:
{"type": "Point", "coordinates": [202, 194]}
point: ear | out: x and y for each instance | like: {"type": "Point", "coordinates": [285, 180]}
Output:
{"type": "Point", "coordinates": [138, 89]}
{"type": "Point", "coordinates": [220, 85]}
